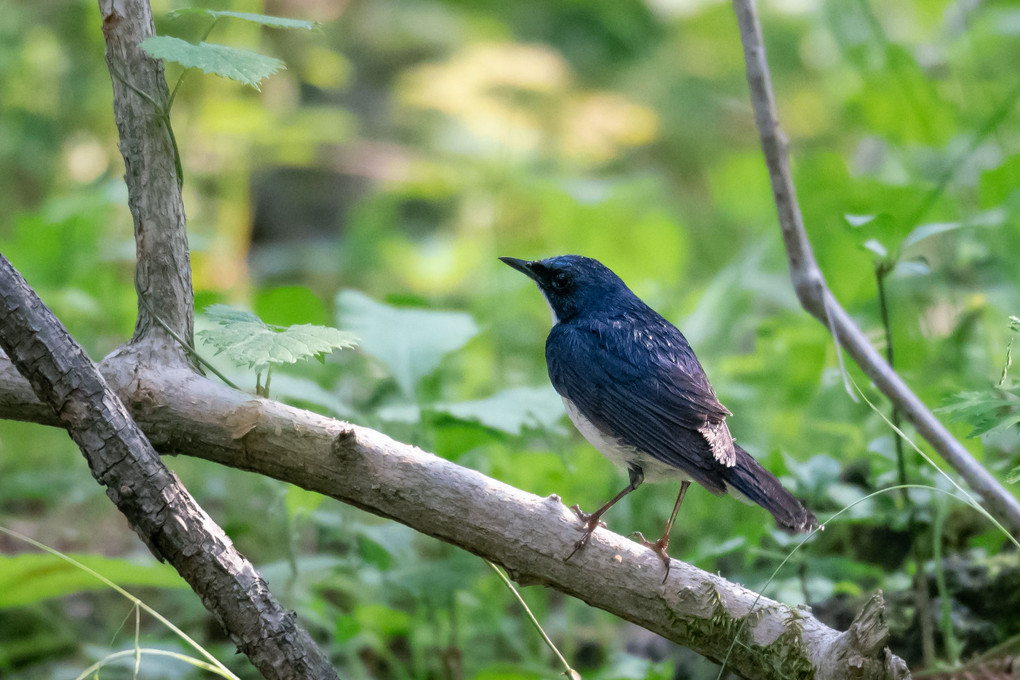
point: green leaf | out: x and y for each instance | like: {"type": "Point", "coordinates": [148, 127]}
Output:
{"type": "Point", "coordinates": [858, 220]}
{"type": "Point", "coordinates": [1014, 476]}
{"type": "Point", "coordinates": [225, 314]}
{"type": "Point", "coordinates": [301, 502]}
{"type": "Point", "coordinates": [32, 577]}
{"type": "Point", "coordinates": [917, 266]}
{"type": "Point", "coordinates": [988, 218]}
{"type": "Point", "coordinates": [410, 342]}
{"type": "Point", "coordinates": [990, 411]}
{"type": "Point", "coordinates": [997, 184]}
{"type": "Point", "coordinates": [264, 19]}
{"type": "Point", "coordinates": [244, 66]}
{"type": "Point", "coordinates": [248, 341]}
{"type": "Point", "coordinates": [511, 410]}
{"type": "Point", "coordinates": [304, 392]}
{"type": "Point", "coordinates": [287, 305]}
{"type": "Point", "coordinates": [384, 620]}
{"type": "Point", "coordinates": [876, 247]}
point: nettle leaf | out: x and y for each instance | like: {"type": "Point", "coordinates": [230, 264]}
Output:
{"type": "Point", "coordinates": [409, 341]}
{"type": "Point", "coordinates": [263, 19]}
{"type": "Point", "coordinates": [244, 66]}
{"type": "Point", "coordinates": [991, 411]}
{"type": "Point", "coordinates": [248, 341]}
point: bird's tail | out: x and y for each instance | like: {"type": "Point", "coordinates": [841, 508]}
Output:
{"type": "Point", "coordinates": [757, 485]}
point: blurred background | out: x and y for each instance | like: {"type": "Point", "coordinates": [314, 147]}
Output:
{"type": "Point", "coordinates": [372, 185]}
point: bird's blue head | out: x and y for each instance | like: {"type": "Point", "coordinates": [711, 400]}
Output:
{"type": "Point", "coordinates": [574, 285]}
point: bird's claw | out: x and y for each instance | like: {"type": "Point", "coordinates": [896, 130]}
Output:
{"type": "Point", "coordinates": [658, 547]}
{"type": "Point", "coordinates": [591, 523]}
{"type": "Point", "coordinates": [586, 517]}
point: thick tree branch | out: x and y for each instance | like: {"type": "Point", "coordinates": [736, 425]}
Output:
{"type": "Point", "coordinates": [158, 507]}
{"type": "Point", "coordinates": [184, 413]}
{"type": "Point", "coordinates": [817, 299]}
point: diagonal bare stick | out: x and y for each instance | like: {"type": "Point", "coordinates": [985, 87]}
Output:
{"type": "Point", "coordinates": [818, 300]}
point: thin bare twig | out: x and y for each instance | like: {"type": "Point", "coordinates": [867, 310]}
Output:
{"type": "Point", "coordinates": [817, 299]}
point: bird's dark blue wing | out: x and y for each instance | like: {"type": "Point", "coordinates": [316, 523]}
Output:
{"type": "Point", "coordinates": [639, 381]}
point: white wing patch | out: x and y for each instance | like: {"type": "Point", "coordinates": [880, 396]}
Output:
{"type": "Point", "coordinates": [720, 441]}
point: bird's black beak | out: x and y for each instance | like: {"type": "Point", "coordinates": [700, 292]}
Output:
{"type": "Point", "coordinates": [523, 266]}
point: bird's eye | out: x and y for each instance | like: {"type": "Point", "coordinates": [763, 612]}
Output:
{"type": "Point", "coordinates": [560, 281]}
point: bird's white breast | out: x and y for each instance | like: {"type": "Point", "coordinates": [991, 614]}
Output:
{"type": "Point", "coordinates": [621, 454]}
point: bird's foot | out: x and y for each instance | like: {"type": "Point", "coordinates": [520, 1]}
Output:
{"type": "Point", "coordinates": [591, 523]}
{"type": "Point", "coordinates": [658, 547]}
{"type": "Point", "coordinates": [591, 520]}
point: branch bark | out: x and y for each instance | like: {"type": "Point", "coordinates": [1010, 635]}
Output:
{"type": "Point", "coordinates": [818, 300]}
{"type": "Point", "coordinates": [163, 273]}
{"type": "Point", "coordinates": [158, 507]}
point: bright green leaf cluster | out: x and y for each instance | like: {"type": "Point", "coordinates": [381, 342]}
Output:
{"type": "Point", "coordinates": [251, 342]}
{"type": "Point", "coordinates": [244, 66]}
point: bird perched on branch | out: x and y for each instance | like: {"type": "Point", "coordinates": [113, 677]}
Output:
{"type": "Point", "coordinates": [632, 386]}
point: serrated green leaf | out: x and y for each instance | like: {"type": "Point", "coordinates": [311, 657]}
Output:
{"type": "Point", "coordinates": [248, 341]}
{"type": "Point", "coordinates": [264, 19]}
{"type": "Point", "coordinates": [409, 341]}
{"type": "Point", "coordinates": [987, 412]}
{"type": "Point", "coordinates": [225, 314]}
{"type": "Point", "coordinates": [32, 577]}
{"type": "Point", "coordinates": [244, 66]}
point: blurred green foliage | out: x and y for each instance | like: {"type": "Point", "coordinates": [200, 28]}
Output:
{"type": "Point", "coordinates": [372, 185]}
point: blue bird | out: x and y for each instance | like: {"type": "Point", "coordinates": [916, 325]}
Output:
{"type": "Point", "coordinates": [632, 386]}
